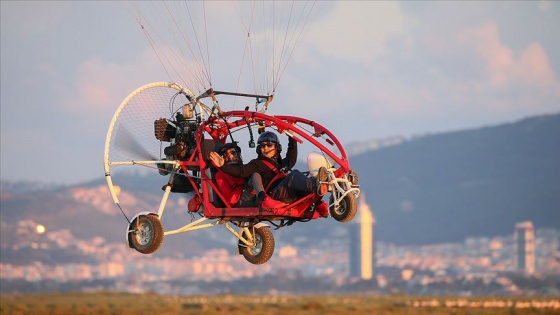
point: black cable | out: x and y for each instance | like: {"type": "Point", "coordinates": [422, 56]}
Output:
{"type": "Point", "coordinates": [118, 205]}
{"type": "Point", "coordinates": [251, 138]}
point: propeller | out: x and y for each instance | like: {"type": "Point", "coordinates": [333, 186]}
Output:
{"type": "Point", "coordinates": [126, 141]}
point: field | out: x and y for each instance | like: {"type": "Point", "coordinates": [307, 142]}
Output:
{"type": "Point", "coordinates": [149, 304]}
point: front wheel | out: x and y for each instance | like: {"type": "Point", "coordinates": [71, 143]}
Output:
{"type": "Point", "coordinates": [346, 209]}
{"type": "Point", "coordinates": [263, 248]}
{"type": "Point", "coordinates": [145, 234]}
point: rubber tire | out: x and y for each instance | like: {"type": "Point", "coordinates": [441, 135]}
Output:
{"type": "Point", "coordinates": [153, 238]}
{"type": "Point", "coordinates": [261, 253]}
{"type": "Point", "coordinates": [347, 209]}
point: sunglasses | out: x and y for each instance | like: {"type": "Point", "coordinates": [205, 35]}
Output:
{"type": "Point", "coordinates": [267, 144]}
{"type": "Point", "coordinates": [232, 152]}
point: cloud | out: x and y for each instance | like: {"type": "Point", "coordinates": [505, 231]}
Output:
{"type": "Point", "coordinates": [357, 31]}
{"type": "Point", "coordinates": [101, 86]}
{"type": "Point", "coordinates": [503, 67]}
{"type": "Point", "coordinates": [446, 79]}
{"type": "Point", "coordinates": [28, 18]}
{"type": "Point", "coordinates": [534, 67]}
{"type": "Point", "coordinates": [544, 5]}
{"type": "Point", "coordinates": [497, 57]}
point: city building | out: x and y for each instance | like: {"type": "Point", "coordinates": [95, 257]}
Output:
{"type": "Point", "coordinates": [362, 243]}
{"type": "Point", "coordinates": [524, 237]}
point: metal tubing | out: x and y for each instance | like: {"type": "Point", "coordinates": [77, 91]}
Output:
{"type": "Point", "coordinates": [238, 235]}
{"type": "Point", "coordinates": [164, 200]}
{"type": "Point", "coordinates": [192, 226]}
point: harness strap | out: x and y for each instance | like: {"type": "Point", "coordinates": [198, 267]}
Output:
{"type": "Point", "coordinates": [279, 175]}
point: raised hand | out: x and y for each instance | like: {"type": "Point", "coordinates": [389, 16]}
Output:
{"type": "Point", "coordinates": [216, 159]}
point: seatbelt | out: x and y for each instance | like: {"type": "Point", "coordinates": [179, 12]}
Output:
{"type": "Point", "coordinates": [279, 175]}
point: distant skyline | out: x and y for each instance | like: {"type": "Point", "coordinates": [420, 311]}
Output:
{"type": "Point", "coordinates": [366, 70]}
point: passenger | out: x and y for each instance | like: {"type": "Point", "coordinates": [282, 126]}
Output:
{"type": "Point", "coordinates": [267, 173]}
{"type": "Point", "coordinates": [230, 187]}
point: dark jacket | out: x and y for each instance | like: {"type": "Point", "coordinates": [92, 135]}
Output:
{"type": "Point", "coordinates": [257, 165]}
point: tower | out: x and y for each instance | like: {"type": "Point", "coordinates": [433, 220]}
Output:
{"type": "Point", "coordinates": [524, 237]}
{"type": "Point", "coordinates": [362, 243]}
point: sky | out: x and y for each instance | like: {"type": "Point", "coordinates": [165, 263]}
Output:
{"type": "Point", "coordinates": [365, 70]}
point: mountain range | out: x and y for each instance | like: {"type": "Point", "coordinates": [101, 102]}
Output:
{"type": "Point", "coordinates": [430, 189]}
{"type": "Point", "coordinates": [479, 182]}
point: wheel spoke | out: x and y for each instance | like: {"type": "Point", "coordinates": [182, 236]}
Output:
{"type": "Point", "coordinates": [255, 250]}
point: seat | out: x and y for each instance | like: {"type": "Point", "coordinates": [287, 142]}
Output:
{"type": "Point", "coordinates": [207, 146]}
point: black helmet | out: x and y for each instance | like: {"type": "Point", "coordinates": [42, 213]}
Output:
{"type": "Point", "coordinates": [228, 146]}
{"type": "Point", "coordinates": [268, 136]}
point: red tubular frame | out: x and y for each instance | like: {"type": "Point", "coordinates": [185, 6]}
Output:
{"type": "Point", "coordinates": [218, 129]}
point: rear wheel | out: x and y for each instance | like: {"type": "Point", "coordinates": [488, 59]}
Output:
{"type": "Point", "coordinates": [145, 234]}
{"type": "Point", "coordinates": [263, 247]}
{"type": "Point", "coordinates": [346, 209]}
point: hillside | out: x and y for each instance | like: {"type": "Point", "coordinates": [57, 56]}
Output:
{"type": "Point", "coordinates": [479, 182]}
